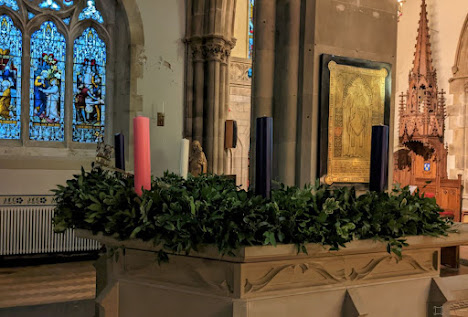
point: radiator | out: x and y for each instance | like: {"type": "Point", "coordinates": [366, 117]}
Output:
{"type": "Point", "coordinates": [26, 228]}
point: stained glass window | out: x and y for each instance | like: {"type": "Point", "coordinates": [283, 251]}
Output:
{"type": "Point", "coordinates": [251, 26]}
{"type": "Point", "coordinates": [10, 3]}
{"type": "Point", "coordinates": [49, 4]}
{"type": "Point", "coordinates": [47, 75]}
{"type": "Point", "coordinates": [10, 76]}
{"type": "Point", "coordinates": [90, 12]}
{"type": "Point", "coordinates": [51, 104]}
{"type": "Point", "coordinates": [89, 86]}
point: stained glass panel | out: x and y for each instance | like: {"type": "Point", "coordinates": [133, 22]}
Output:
{"type": "Point", "coordinates": [68, 2]}
{"type": "Point", "coordinates": [66, 21]}
{"type": "Point", "coordinates": [47, 75]}
{"type": "Point", "coordinates": [90, 12]}
{"type": "Point", "coordinates": [49, 4]}
{"type": "Point", "coordinates": [31, 15]}
{"type": "Point", "coordinates": [251, 26]}
{"type": "Point", "coordinates": [89, 86]}
{"type": "Point", "coordinates": [10, 3]}
{"type": "Point", "coordinates": [10, 77]}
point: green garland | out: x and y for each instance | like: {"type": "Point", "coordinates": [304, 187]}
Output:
{"type": "Point", "coordinates": [182, 215]}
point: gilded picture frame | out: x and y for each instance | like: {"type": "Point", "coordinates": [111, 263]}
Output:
{"type": "Point", "coordinates": [355, 95]}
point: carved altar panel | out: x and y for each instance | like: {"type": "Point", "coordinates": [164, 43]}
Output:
{"type": "Point", "coordinates": [261, 279]}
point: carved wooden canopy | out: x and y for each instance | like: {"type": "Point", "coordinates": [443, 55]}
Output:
{"type": "Point", "coordinates": [422, 108]}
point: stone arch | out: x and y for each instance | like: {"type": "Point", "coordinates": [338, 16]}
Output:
{"type": "Point", "coordinates": [137, 59]}
{"type": "Point", "coordinates": [460, 67]}
{"type": "Point", "coordinates": [458, 87]}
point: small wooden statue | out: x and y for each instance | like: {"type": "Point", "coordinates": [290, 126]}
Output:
{"type": "Point", "coordinates": [197, 164]}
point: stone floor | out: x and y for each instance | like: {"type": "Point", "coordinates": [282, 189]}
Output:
{"type": "Point", "coordinates": [54, 290]}
{"type": "Point", "coordinates": [84, 308]}
{"type": "Point", "coordinates": [68, 289]}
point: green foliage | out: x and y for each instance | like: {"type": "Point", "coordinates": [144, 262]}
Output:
{"type": "Point", "coordinates": [180, 215]}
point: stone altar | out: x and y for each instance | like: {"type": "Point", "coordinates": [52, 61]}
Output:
{"type": "Point", "coordinates": [359, 280]}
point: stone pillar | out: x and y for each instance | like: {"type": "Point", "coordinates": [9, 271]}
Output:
{"type": "Point", "coordinates": [278, 57]}
{"type": "Point", "coordinates": [198, 79]}
{"type": "Point", "coordinates": [224, 88]}
{"type": "Point", "coordinates": [264, 57]}
{"type": "Point", "coordinates": [263, 69]}
{"type": "Point", "coordinates": [210, 39]}
{"type": "Point", "coordinates": [285, 117]}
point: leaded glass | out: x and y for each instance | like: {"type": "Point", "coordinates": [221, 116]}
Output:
{"type": "Point", "coordinates": [10, 3]}
{"type": "Point", "coordinates": [251, 26]}
{"type": "Point", "coordinates": [68, 2]}
{"type": "Point", "coordinates": [47, 82]}
{"type": "Point", "coordinates": [66, 21]}
{"type": "Point", "coordinates": [10, 76]}
{"type": "Point", "coordinates": [31, 15]}
{"type": "Point", "coordinates": [90, 12]}
{"type": "Point", "coordinates": [49, 4]}
{"type": "Point", "coordinates": [89, 86]}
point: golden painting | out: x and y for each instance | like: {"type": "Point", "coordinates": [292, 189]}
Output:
{"type": "Point", "coordinates": [357, 102]}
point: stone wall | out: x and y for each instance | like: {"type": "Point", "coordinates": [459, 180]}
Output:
{"type": "Point", "coordinates": [290, 37]}
{"type": "Point", "coordinates": [239, 110]}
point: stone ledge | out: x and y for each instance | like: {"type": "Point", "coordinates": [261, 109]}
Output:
{"type": "Point", "coordinates": [269, 253]}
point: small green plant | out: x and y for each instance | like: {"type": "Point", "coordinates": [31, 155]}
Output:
{"type": "Point", "coordinates": [181, 215]}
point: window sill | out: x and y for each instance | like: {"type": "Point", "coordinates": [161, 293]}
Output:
{"type": "Point", "coordinates": [45, 158]}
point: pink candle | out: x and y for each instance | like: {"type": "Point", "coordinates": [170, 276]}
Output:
{"type": "Point", "coordinates": [142, 154]}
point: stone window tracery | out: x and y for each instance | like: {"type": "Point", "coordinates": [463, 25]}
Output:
{"type": "Point", "coordinates": [53, 71]}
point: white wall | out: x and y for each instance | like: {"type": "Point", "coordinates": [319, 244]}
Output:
{"type": "Point", "coordinates": [446, 18]}
{"type": "Point", "coordinates": [163, 78]}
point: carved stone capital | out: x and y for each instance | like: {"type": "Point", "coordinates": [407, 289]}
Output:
{"type": "Point", "coordinates": [196, 47]}
{"type": "Point", "coordinates": [214, 50]}
{"type": "Point", "coordinates": [226, 55]}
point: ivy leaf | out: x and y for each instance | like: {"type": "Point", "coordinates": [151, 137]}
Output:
{"type": "Point", "coordinates": [95, 207]}
{"type": "Point", "coordinates": [135, 232]}
{"type": "Point", "coordinates": [193, 209]}
{"type": "Point", "coordinates": [269, 238]}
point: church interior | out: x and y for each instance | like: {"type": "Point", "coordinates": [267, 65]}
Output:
{"type": "Point", "coordinates": [233, 158]}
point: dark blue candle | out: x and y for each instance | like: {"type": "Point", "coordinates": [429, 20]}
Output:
{"type": "Point", "coordinates": [264, 156]}
{"type": "Point", "coordinates": [119, 151]}
{"type": "Point", "coordinates": [379, 159]}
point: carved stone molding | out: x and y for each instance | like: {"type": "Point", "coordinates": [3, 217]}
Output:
{"type": "Point", "coordinates": [239, 71]}
{"type": "Point", "coordinates": [349, 271]}
{"type": "Point", "coordinates": [190, 273]}
{"type": "Point", "coordinates": [459, 305]}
